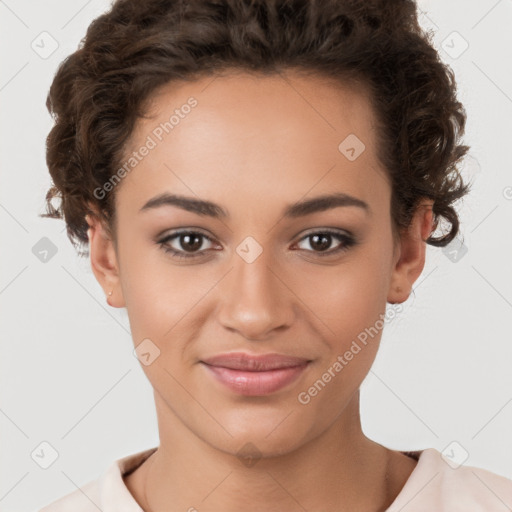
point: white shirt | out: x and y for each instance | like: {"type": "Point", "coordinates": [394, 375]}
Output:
{"type": "Point", "coordinates": [433, 486]}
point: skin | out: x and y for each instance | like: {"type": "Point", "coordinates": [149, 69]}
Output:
{"type": "Point", "coordinates": [255, 145]}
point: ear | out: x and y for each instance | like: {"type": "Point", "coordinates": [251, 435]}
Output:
{"type": "Point", "coordinates": [104, 261]}
{"type": "Point", "coordinates": [410, 253]}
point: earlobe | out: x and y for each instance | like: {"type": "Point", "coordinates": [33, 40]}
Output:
{"type": "Point", "coordinates": [104, 262]}
{"type": "Point", "coordinates": [411, 254]}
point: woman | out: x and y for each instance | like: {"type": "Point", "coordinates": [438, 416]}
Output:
{"type": "Point", "coordinates": [257, 181]}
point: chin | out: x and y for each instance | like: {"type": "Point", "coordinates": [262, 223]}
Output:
{"type": "Point", "coordinates": [266, 435]}
{"type": "Point", "coordinates": [251, 448]}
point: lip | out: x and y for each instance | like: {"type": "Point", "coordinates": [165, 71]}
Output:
{"type": "Point", "coordinates": [255, 375]}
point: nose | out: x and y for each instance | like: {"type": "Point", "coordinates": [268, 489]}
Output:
{"type": "Point", "coordinates": [255, 300]}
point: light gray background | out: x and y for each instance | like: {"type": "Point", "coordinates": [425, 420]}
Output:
{"type": "Point", "coordinates": [68, 375]}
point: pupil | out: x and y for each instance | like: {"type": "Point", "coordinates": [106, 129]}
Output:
{"type": "Point", "coordinates": [326, 241]}
{"type": "Point", "coordinates": [186, 244]}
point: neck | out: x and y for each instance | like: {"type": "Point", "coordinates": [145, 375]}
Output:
{"type": "Point", "coordinates": [338, 470]}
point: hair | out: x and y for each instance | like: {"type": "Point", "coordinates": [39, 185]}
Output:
{"type": "Point", "coordinates": [101, 89]}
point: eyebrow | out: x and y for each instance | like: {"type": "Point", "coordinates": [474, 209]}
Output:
{"type": "Point", "coordinates": [299, 209]}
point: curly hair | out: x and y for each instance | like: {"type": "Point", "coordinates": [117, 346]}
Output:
{"type": "Point", "coordinates": [101, 89]}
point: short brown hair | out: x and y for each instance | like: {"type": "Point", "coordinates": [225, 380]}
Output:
{"type": "Point", "coordinates": [100, 90]}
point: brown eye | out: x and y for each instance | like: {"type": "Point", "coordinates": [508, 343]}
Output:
{"type": "Point", "coordinates": [185, 244]}
{"type": "Point", "coordinates": [190, 241]}
{"type": "Point", "coordinates": [320, 242]}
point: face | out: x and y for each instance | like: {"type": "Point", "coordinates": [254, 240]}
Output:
{"type": "Point", "coordinates": [266, 266]}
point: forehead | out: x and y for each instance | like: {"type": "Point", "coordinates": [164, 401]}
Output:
{"type": "Point", "coordinates": [282, 135]}
{"type": "Point", "coordinates": [242, 103]}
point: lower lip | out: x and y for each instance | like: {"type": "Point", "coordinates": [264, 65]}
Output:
{"type": "Point", "coordinates": [256, 383]}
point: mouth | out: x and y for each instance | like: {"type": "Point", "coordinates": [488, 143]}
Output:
{"type": "Point", "coordinates": [255, 375]}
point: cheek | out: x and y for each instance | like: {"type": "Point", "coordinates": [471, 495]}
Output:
{"type": "Point", "coordinates": [150, 292]}
{"type": "Point", "coordinates": [160, 296]}
{"type": "Point", "coordinates": [354, 306]}
{"type": "Point", "coordinates": [353, 296]}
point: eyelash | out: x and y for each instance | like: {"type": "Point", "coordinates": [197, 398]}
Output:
{"type": "Point", "coordinates": [347, 242]}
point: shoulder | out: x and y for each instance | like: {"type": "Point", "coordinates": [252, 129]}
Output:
{"type": "Point", "coordinates": [83, 499]}
{"type": "Point", "coordinates": [108, 493]}
{"type": "Point", "coordinates": [438, 484]}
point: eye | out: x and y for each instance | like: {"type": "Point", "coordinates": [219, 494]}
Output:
{"type": "Point", "coordinates": [321, 241]}
{"type": "Point", "coordinates": [189, 244]}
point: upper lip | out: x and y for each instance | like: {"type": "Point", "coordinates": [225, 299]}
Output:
{"type": "Point", "coordinates": [255, 362]}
